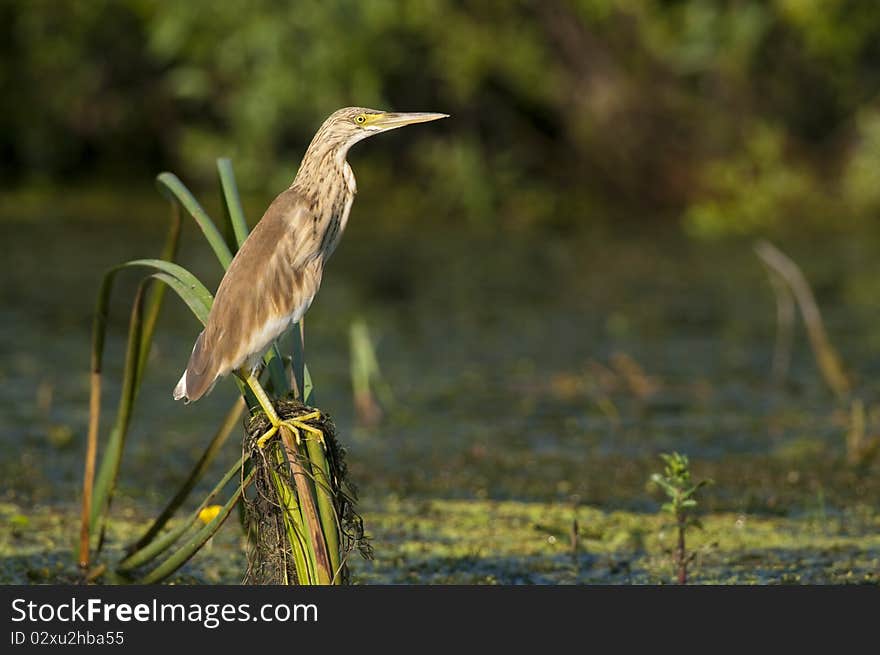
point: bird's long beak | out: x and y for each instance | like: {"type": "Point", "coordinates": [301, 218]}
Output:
{"type": "Point", "coordinates": [392, 121]}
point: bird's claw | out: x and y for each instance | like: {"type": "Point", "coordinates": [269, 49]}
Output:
{"type": "Point", "coordinates": [297, 426]}
{"type": "Point", "coordinates": [261, 442]}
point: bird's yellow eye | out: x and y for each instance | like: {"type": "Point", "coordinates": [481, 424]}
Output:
{"type": "Point", "coordinates": [361, 119]}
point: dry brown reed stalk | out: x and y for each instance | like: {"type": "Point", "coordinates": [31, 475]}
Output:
{"type": "Point", "coordinates": [826, 356]}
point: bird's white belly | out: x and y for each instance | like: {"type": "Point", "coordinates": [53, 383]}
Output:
{"type": "Point", "coordinates": [269, 332]}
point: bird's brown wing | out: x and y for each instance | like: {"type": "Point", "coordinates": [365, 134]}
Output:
{"type": "Point", "coordinates": [267, 281]}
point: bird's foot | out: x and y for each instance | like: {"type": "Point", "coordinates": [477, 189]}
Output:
{"type": "Point", "coordinates": [261, 442]}
{"type": "Point", "coordinates": [296, 425]}
{"type": "Point", "coordinates": [299, 425]}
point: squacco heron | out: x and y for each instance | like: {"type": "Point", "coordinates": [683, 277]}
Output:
{"type": "Point", "coordinates": [275, 275]}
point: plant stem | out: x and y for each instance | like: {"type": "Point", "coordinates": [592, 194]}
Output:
{"type": "Point", "coordinates": [155, 547]}
{"type": "Point", "coordinates": [680, 550]}
{"type": "Point", "coordinates": [301, 478]}
{"type": "Point", "coordinates": [326, 508]}
{"type": "Point", "coordinates": [826, 356]}
{"type": "Point", "coordinates": [89, 475]}
{"type": "Point", "coordinates": [179, 558]}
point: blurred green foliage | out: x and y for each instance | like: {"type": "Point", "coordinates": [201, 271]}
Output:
{"type": "Point", "coordinates": [735, 115]}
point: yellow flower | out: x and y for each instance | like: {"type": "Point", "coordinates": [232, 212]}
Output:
{"type": "Point", "coordinates": [209, 513]}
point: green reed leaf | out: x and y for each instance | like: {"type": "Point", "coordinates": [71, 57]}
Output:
{"type": "Point", "coordinates": [234, 210]}
{"type": "Point", "coordinates": [172, 188]}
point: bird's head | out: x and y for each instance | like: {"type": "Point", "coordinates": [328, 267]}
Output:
{"type": "Point", "coordinates": [347, 126]}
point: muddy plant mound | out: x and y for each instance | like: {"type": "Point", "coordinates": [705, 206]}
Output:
{"type": "Point", "coordinates": [270, 555]}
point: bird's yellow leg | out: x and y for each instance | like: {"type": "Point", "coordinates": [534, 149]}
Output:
{"type": "Point", "coordinates": [268, 408]}
{"type": "Point", "coordinates": [262, 398]}
{"type": "Point", "coordinates": [295, 424]}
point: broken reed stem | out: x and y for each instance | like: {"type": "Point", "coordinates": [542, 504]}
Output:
{"type": "Point", "coordinates": [329, 520]}
{"type": "Point", "coordinates": [301, 479]}
{"type": "Point", "coordinates": [826, 356]}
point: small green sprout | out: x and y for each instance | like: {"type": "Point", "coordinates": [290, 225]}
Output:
{"type": "Point", "coordinates": [681, 490]}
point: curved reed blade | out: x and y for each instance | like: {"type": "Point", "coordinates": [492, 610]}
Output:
{"type": "Point", "coordinates": [197, 305]}
{"type": "Point", "coordinates": [172, 188]}
{"type": "Point", "coordinates": [188, 287]}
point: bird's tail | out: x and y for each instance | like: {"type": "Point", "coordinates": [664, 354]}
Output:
{"type": "Point", "coordinates": [200, 374]}
{"type": "Point", "coordinates": [180, 390]}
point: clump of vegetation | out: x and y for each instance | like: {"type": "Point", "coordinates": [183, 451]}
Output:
{"type": "Point", "coordinates": [276, 515]}
{"type": "Point", "coordinates": [676, 481]}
